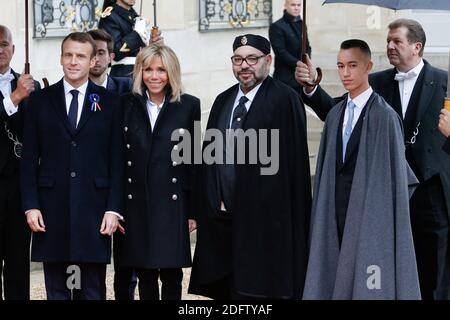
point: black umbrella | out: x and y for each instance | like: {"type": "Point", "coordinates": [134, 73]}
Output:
{"type": "Point", "coordinates": [402, 5]}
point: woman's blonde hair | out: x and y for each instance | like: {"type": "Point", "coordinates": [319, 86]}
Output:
{"type": "Point", "coordinates": [170, 62]}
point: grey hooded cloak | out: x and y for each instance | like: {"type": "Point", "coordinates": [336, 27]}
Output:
{"type": "Point", "coordinates": [376, 259]}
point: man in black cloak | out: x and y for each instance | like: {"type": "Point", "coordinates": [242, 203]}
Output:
{"type": "Point", "coordinates": [253, 218]}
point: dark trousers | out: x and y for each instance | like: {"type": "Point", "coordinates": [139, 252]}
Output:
{"type": "Point", "coordinates": [88, 284]}
{"type": "Point", "coordinates": [125, 282]}
{"type": "Point", "coordinates": [14, 242]}
{"type": "Point", "coordinates": [430, 226]}
{"type": "Point", "coordinates": [171, 279]}
{"type": "Point", "coordinates": [125, 279]}
{"type": "Point", "coordinates": [122, 70]}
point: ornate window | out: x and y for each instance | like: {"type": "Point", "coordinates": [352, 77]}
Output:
{"type": "Point", "coordinates": [57, 18]}
{"type": "Point", "coordinates": [233, 14]}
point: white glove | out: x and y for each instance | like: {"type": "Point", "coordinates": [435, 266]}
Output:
{"type": "Point", "coordinates": [140, 26]}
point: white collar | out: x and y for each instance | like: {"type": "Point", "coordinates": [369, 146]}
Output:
{"type": "Point", "coordinates": [152, 104]}
{"type": "Point", "coordinates": [361, 100]}
{"type": "Point", "coordinates": [416, 70]}
{"type": "Point", "coordinates": [250, 95]}
{"type": "Point", "coordinates": [105, 83]}
{"type": "Point", "coordinates": [9, 71]}
{"type": "Point", "coordinates": [81, 89]}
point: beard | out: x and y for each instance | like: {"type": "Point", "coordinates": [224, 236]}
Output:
{"type": "Point", "coordinates": [258, 77]}
{"type": "Point", "coordinates": [97, 72]}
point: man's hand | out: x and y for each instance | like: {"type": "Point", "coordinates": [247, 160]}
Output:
{"type": "Point", "coordinates": [25, 86]}
{"type": "Point", "coordinates": [120, 228]}
{"type": "Point", "coordinates": [192, 225]}
{"type": "Point", "coordinates": [109, 224]}
{"type": "Point", "coordinates": [444, 123]}
{"type": "Point", "coordinates": [156, 37]}
{"type": "Point", "coordinates": [305, 74]}
{"type": "Point", "coordinates": [35, 220]}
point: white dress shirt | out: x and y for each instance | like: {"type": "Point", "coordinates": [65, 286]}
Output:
{"type": "Point", "coordinates": [250, 96]}
{"type": "Point", "coordinates": [5, 88]}
{"type": "Point", "coordinates": [153, 110]}
{"type": "Point", "coordinates": [105, 83]}
{"type": "Point", "coordinates": [406, 86]}
{"type": "Point", "coordinates": [81, 94]}
{"type": "Point", "coordinates": [360, 102]}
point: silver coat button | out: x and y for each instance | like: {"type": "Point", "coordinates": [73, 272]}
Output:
{"type": "Point", "coordinates": [174, 163]}
{"type": "Point", "coordinates": [174, 197]}
{"type": "Point", "coordinates": [130, 196]}
{"type": "Point", "coordinates": [73, 174]}
{"type": "Point", "coordinates": [129, 163]}
{"type": "Point", "coordinates": [128, 146]}
{"type": "Point", "coordinates": [175, 147]}
{"type": "Point", "coordinates": [174, 180]}
{"type": "Point", "coordinates": [181, 131]}
{"type": "Point", "coordinates": [129, 180]}
{"type": "Point", "coordinates": [125, 128]}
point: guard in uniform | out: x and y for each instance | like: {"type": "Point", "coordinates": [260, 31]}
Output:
{"type": "Point", "coordinates": [129, 32]}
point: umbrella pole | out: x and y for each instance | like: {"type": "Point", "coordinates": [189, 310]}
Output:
{"type": "Point", "coordinates": [27, 57]}
{"type": "Point", "coordinates": [27, 48]}
{"type": "Point", "coordinates": [304, 44]}
{"type": "Point", "coordinates": [155, 29]}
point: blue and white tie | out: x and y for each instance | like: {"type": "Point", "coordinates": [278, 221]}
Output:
{"type": "Point", "coordinates": [348, 127]}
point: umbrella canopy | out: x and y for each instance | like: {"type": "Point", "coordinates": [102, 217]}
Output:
{"type": "Point", "coordinates": [400, 4]}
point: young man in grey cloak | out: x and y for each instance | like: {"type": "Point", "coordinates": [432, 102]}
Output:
{"type": "Point", "coordinates": [361, 244]}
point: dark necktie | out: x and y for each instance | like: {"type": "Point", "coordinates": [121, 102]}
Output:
{"type": "Point", "coordinates": [239, 113]}
{"type": "Point", "coordinates": [73, 109]}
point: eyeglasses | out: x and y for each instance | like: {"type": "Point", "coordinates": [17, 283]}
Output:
{"type": "Point", "coordinates": [251, 60]}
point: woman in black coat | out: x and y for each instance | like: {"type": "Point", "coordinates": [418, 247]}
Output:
{"type": "Point", "coordinates": [160, 189]}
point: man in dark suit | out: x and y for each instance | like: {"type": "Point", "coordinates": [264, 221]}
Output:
{"type": "Point", "coordinates": [14, 233]}
{"type": "Point", "coordinates": [416, 90]}
{"type": "Point", "coordinates": [125, 280]}
{"type": "Point", "coordinates": [129, 33]}
{"type": "Point", "coordinates": [72, 176]}
{"type": "Point", "coordinates": [253, 226]}
{"type": "Point", "coordinates": [99, 72]}
{"type": "Point", "coordinates": [285, 36]}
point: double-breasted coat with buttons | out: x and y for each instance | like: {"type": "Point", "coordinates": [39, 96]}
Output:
{"type": "Point", "coordinates": [160, 192]}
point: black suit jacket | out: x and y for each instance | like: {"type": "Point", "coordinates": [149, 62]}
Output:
{"type": "Point", "coordinates": [9, 163]}
{"type": "Point", "coordinates": [119, 85]}
{"type": "Point", "coordinates": [426, 157]}
{"type": "Point", "coordinates": [446, 146]}
{"type": "Point", "coordinates": [72, 175]}
{"type": "Point", "coordinates": [286, 39]}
